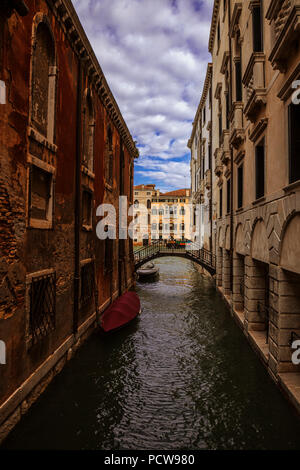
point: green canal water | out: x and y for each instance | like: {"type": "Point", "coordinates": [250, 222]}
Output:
{"type": "Point", "coordinates": [182, 377]}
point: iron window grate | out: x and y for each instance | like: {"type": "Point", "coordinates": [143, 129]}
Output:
{"type": "Point", "coordinates": [42, 306]}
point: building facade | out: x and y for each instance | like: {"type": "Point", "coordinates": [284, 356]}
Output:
{"type": "Point", "coordinates": [255, 146]}
{"type": "Point", "coordinates": [161, 216]}
{"type": "Point", "coordinates": [202, 168]}
{"type": "Point", "coordinates": [64, 150]}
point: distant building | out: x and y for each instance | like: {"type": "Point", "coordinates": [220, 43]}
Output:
{"type": "Point", "coordinates": [163, 216]}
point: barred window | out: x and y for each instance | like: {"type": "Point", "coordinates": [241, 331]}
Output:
{"type": "Point", "coordinates": [42, 300]}
{"type": "Point", "coordinates": [87, 276]}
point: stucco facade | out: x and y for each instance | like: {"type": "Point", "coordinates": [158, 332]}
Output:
{"type": "Point", "coordinates": [255, 146]}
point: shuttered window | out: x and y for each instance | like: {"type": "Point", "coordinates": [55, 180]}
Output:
{"type": "Point", "coordinates": [260, 169]}
{"type": "Point", "coordinates": [228, 195]}
{"type": "Point", "coordinates": [221, 203]}
{"type": "Point", "coordinates": [240, 185]}
{"type": "Point", "coordinates": [294, 142]}
{"type": "Point", "coordinates": [257, 29]}
{"type": "Point", "coordinates": [238, 81]}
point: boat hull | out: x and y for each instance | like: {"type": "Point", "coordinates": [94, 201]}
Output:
{"type": "Point", "coordinates": [120, 313]}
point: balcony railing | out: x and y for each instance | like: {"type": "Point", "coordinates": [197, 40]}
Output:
{"type": "Point", "coordinates": [218, 162]}
{"type": "Point", "coordinates": [225, 157]}
{"type": "Point", "coordinates": [208, 179]}
{"type": "Point", "coordinates": [284, 15]}
{"type": "Point", "coordinates": [237, 133]}
{"type": "Point", "coordinates": [254, 81]}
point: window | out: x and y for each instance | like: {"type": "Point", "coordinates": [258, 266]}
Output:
{"type": "Point", "coordinates": [148, 204]}
{"type": "Point", "coordinates": [154, 211]}
{"type": "Point", "coordinates": [88, 134]}
{"type": "Point", "coordinates": [240, 185]}
{"type": "Point", "coordinates": [182, 211]}
{"type": "Point", "coordinates": [87, 201]}
{"type": "Point", "coordinates": [221, 202]}
{"type": "Point", "coordinates": [218, 34]}
{"type": "Point", "coordinates": [42, 305]}
{"type": "Point", "coordinates": [257, 29]}
{"type": "Point", "coordinates": [136, 204]}
{"type": "Point", "coordinates": [40, 194]}
{"type": "Point", "coordinates": [227, 110]}
{"type": "Point", "coordinates": [154, 226]}
{"type": "Point", "coordinates": [43, 82]}
{"type": "Point", "coordinates": [149, 219]}
{"type": "Point", "coordinates": [294, 142]}
{"type": "Point", "coordinates": [109, 156]}
{"type": "Point", "coordinates": [224, 6]}
{"type": "Point", "coordinates": [122, 168]}
{"type": "Point", "coordinates": [260, 169]}
{"type": "Point", "coordinates": [204, 115]}
{"type": "Point", "coordinates": [220, 127]}
{"type": "Point", "coordinates": [87, 287]}
{"type": "Point", "coordinates": [228, 201]}
{"type": "Point", "coordinates": [238, 81]}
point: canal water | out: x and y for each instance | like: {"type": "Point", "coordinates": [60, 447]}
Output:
{"type": "Point", "coordinates": [182, 377]}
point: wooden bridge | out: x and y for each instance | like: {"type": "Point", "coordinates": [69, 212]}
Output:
{"type": "Point", "coordinates": [159, 248]}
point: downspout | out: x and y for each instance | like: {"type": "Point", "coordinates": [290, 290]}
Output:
{"type": "Point", "coordinates": [77, 198]}
{"type": "Point", "coordinates": [231, 154]}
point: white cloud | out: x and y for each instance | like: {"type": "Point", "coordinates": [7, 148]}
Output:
{"type": "Point", "coordinates": [154, 56]}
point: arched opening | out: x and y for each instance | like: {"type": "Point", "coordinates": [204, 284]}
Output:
{"type": "Point", "coordinates": [289, 286]}
{"type": "Point", "coordinates": [258, 287]}
{"type": "Point", "coordinates": [43, 82]}
{"type": "Point", "coordinates": [238, 271]}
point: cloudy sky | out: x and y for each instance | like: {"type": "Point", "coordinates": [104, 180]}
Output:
{"type": "Point", "coordinates": [154, 55]}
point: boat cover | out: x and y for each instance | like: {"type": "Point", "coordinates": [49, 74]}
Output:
{"type": "Point", "coordinates": [120, 312]}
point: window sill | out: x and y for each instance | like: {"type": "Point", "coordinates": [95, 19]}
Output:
{"type": "Point", "coordinates": [87, 228]}
{"type": "Point", "coordinates": [259, 200]}
{"type": "Point", "coordinates": [40, 224]}
{"type": "Point", "coordinates": [108, 187]}
{"type": "Point", "coordinates": [87, 172]}
{"type": "Point", "coordinates": [42, 140]}
{"type": "Point", "coordinates": [291, 186]}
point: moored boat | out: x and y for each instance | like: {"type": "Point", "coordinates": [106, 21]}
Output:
{"type": "Point", "coordinates": [121, 312]}
{"type": "Point", "coordinates": [148, 270]}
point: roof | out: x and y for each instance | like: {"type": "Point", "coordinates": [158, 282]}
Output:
{"type": "Point", "coordinates": [144, 186]}
{"type": "Point", "coordinates": [177, 192]}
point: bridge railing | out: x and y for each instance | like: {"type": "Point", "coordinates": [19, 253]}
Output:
{"type": "Point", "coordinates": [193, 250]}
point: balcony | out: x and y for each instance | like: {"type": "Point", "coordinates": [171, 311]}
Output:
{"type": "Point", "coordinates": [284, 16]}
{"type": "Point", "coordinates": [237, 133]}
{"type": "Point", "coordinates": [225, 157]}
{"type": "Point", "coordinates": [254, 81]}
{"type": "Point", "coordinates": [218, 163]}
{"type": "Point", "coordinates": [207, 180]}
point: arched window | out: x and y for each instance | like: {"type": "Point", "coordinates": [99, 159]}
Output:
{"type": "Point", "coordinates": [88, 133]}
{"type": "Point", "coordinates": [148, 204]}
{"type": "Point", "coordinates": [43, 81]}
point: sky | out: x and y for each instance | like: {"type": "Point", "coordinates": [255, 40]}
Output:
{"type": "Point", "coordinates": [154, 55]}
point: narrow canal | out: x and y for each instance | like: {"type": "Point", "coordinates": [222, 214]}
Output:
{"type": "Point", "coordinates": [182, 377]}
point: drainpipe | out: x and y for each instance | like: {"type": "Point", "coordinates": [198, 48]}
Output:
{"type": "Point", "coordinates": [77, 198]}
{"type": "Point", "coordinates": [231, 154]}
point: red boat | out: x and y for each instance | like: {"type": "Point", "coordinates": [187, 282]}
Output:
{"type": "Point", "coordinates": [121, 312]}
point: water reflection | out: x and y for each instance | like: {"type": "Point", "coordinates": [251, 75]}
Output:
{"type": "Point", "coordinates": [182, 377]}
